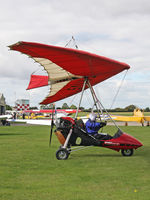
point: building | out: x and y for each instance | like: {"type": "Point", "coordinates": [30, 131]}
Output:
{"type": "Point", "coordinates": [2, 104]}
{"type": "Point", "coordinates": [22, 104]}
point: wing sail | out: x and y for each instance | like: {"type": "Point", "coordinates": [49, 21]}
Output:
{"type": "Point", "coordinates": [67, 67]}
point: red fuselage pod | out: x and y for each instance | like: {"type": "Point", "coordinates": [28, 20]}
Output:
{"type": "Point", "coordinates": [124, 141]}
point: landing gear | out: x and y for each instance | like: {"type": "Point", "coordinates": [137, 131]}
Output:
{"type": "Point", "coordinates": [62, 154]}
{"type": "Point", "coordinates": [127, 152]}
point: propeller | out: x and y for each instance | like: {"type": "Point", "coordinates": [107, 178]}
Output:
{"type": "Point", "coordinates": [52, 125]}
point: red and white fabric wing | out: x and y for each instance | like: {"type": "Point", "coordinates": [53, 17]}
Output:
{"type": "Point", "coordinates": [67, 68]}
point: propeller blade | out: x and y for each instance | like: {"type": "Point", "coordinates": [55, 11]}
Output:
{"type": "Point", "coordinates": [51, 131]}
{"type": "Point", "coordinates": [52, 124]}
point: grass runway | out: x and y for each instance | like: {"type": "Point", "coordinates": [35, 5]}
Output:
{"type": "Point", "coordinates": [29, 169]}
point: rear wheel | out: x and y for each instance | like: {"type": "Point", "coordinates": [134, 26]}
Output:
{"type": "Point", "coordinates": [62, 154]}
{"type": "Point", "coordinates": [127, 152]}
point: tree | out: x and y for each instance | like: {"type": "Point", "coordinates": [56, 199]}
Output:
{"type": "Point", "coordinates": [130, 108]}
{"type": "Point", "coordinates": [58, 108]}
{"type": "Point", "coordinates": [33, 108]}
{"type": "Point", "coordinates": [73, 107]}
{"type": "Point", "coordinates": [118, 109]}
{"type": "Point", "coordinates": [65, 106]}
{"type": "Point", "coordinates": [81, 108]}
{"type": "Point", "coordinates": [8, 107]}
{"type": "Point", "coordinates": [147, 109]}
{"type": "Point", "coordinates": [46, 107]}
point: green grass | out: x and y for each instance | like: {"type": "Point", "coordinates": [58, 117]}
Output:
{"type": "Point", "coordinates": [29, 169]}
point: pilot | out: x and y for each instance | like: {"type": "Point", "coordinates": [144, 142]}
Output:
{"type": "Point", "coordinates": [92, 127]}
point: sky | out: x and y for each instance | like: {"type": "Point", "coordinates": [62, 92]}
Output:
{"type": "Point", "coordinates": [117, 29]}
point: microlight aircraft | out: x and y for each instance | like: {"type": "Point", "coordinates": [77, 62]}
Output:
{"type": "Point", "coordinates": [138, 116]}
{"type": "Point", "coordinates": [71, 71]}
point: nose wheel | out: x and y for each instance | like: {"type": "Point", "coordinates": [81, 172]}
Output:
{"type": "Point", "coordinates": [62, 154]}
{"type": "Point", "coordinates": [127, 152]}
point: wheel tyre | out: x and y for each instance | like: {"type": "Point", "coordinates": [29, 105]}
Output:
{"type": "Point", "coordinates": [62, 154]}
{"type": "Point", "coordinates": [127, 152]}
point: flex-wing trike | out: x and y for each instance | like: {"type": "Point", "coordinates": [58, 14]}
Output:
{"type": "Point", "coordinates": [70, 71]}
{"type": "Point", "coordinates": [72, 134]}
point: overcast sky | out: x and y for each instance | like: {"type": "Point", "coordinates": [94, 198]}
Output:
{"type": "Point", "coordinates": [118, 29]}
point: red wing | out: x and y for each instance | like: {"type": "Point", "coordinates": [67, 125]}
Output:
{"type": "Point", "coordinates": [67, 67]}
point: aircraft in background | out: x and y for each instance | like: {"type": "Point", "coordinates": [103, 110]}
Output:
{"type": "Point", "coordinates": [138, 116]}
{"type": "Point", "coordinates": [32, 121]}
{"type": "Point", "coordinates": [35, 119]}
{"type": "Point", "coordinates": [4, 119]}
{"type": "Point", "coordinates": [48, 112]}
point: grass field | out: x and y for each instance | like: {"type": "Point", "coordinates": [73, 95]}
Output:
{"type": "Point", "coordinates": [29, 169]}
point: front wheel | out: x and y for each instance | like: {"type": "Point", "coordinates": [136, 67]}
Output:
{"type": "Point", "coordinates": [62, 154]}
{"type": "Point", "coordinates": [127, 152]}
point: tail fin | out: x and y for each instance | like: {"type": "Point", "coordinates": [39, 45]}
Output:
{"type": "Point", "coordinates": [138, 113]}
{"type": "Point", "coordinates": [37, 81]}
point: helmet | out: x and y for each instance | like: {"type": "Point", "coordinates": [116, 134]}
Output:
{"type": "Point", "coordinates": [92, 117]}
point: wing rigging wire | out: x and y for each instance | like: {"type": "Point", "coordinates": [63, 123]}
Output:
{"type": "Point", "coordinates": [67, 45]}
{"type": "Point", "coordinates": [73, 99]}
{"type": "Point", "coordinates": [88, 99]}
{"type": "Point", "coordinates": [115, 97]}
{"type": "Point", "coordinates": [74, 42]}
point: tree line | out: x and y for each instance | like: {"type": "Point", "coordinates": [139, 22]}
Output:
{"type": "Point", "coordinates": [129, 108]}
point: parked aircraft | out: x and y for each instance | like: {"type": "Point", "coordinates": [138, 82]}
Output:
{"type": "Point", "coordinates": [33, 119]}
{"type": "Point", "coordinates": [4, 119]}
{"type": "Point", "coordinates": [48, 112]}
{"type": "Point", "coordinates": [36, 119]}
{"type": "Point", "coordinates": [138, 116]}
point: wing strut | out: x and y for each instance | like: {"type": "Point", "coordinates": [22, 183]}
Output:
{"type": "Point", "coordinates": [83, 88]}
{"type": "Point", "coordinates": [95, 99]}
{"type": "Point", "coordinates": [99, 105]}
